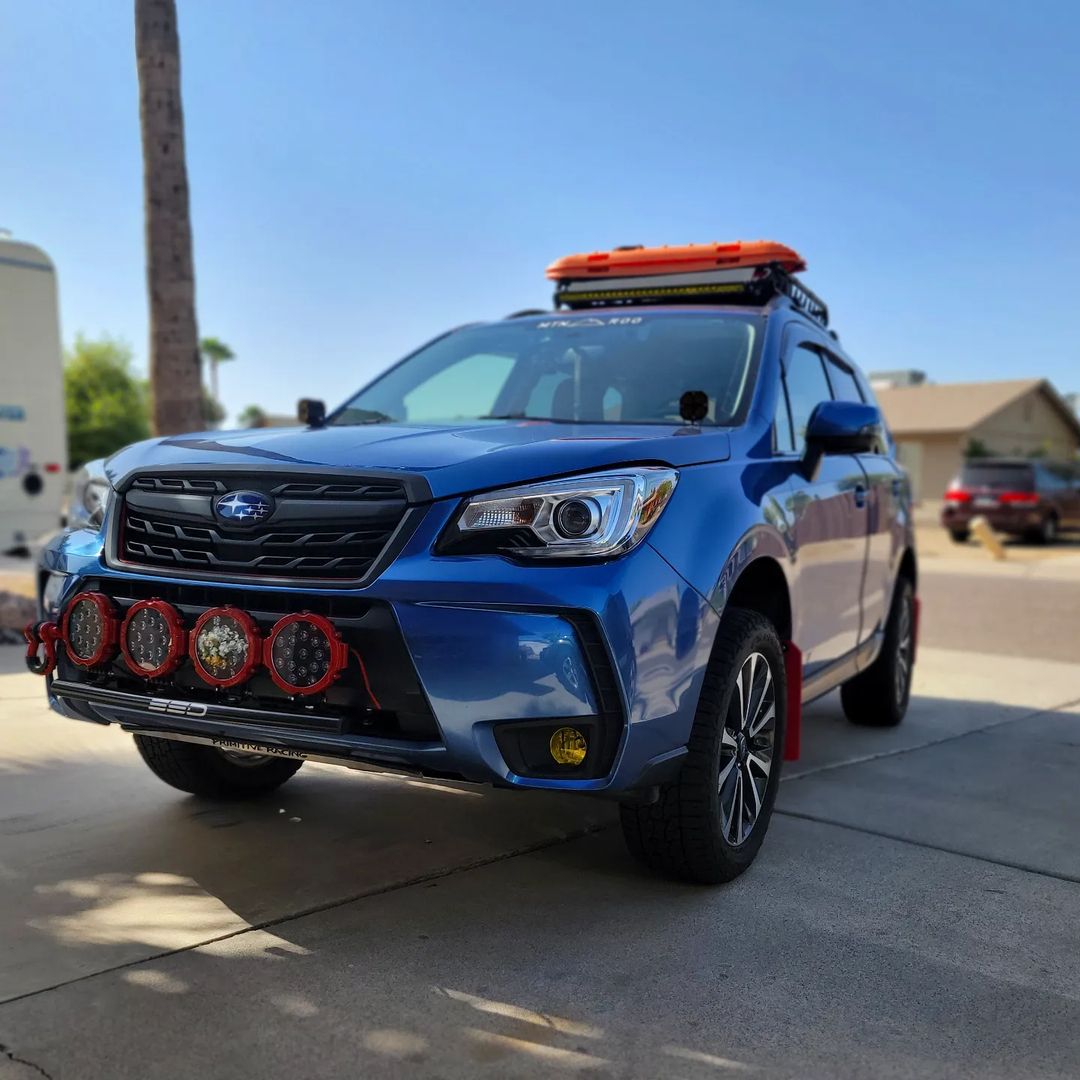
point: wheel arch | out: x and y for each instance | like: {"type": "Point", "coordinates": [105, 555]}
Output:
{"type": "Point", "coordinates": [762, 586]}
{"type": "Point", "coordinates": [908, 568]}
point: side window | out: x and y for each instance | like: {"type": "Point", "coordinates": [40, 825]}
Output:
{"type": "Point", "coordinates": [783, 440]}
{"type": "Point", "coordinates": [1050, 478]}
{"type": "Point", "coordinates": [806, 387]}
{"type": "Point", "coordinates": [844, 385]}
{"type": "Point", "coordinates": [452, 394]}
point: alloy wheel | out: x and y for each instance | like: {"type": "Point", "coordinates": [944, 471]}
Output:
{"type": "Point", "coordinates": [747, 745]}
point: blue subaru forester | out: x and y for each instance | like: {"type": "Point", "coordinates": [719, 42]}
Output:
{"type": "Point", "coordinates": [612, 548]}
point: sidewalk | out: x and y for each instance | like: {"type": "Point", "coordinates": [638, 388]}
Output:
{"type": "Point", "coordinates": [937, 553]}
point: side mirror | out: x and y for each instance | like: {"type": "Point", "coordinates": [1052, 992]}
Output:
{"type": "Point", "coordinates": [311, 411]}
{"type": "Point", "coordinates": [842, 427]}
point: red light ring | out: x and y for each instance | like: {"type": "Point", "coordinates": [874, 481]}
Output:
{"type": "Point", "coordinates": [339, 653]}
{"type": "Point", "coordinates": [254, 643]}
{"type": "Point", "coordinates": [110, 629]}
{"type": "Point", "coordinates": [177, 638]}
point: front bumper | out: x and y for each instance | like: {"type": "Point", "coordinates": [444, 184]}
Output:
{"type": "Point", "coordinates": [618, 648]}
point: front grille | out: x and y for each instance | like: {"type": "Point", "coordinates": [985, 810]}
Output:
{"type": "Point", "coordinates": [331, 529]}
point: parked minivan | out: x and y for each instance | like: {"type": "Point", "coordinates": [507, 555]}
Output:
{"type": "Point", "coordinates": [1018, 496]}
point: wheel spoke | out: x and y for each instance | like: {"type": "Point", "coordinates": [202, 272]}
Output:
{"type": "Point", "coordinates": [763, 763]}
{"type": "Point", "coordinates": [725, 772]}
{"type": "Point", "coordinates": [749, 779]}
{"type": "Point", "coordinates": [764, 700]}
{"type": "Point", "coordinates": [737, 838]}
{"type": "Point", "coordinates": [763, 718]}
{"type": "Point", "coordinates": [742, 695]}
{"type": "Point", "coordinates": [726, 738]}
{"type": "Point", "coordinates": [751, 661]}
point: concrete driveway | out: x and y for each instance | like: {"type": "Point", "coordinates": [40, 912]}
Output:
{"type": "Point", "coordinates": [915, 910]}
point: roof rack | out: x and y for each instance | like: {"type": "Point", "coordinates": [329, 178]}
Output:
{"type": "Point", "coordinates": [742, 272]}
{"type": "Point", "coordinates": [757, 286]}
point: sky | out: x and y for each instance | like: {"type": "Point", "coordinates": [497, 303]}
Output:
{"type": "Point", "coordinates": [365, 175]}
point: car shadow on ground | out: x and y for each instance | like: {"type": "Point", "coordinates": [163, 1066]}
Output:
{"type": "Point", "coordinates": [137, 868]}
{"type": "Point", "coordinates": [542, 961]}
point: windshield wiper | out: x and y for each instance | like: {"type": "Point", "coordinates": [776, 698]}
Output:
{"type": "Point", "coordinates": [354, 417]}
{"type": "Point", "coordinates": [521, 416]}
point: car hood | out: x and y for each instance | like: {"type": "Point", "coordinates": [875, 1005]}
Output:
{"type": "Point", "coordinates": [452, 460]}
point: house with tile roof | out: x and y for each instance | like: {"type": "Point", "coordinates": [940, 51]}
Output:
{"type": "Point", "coordinates": [935, 425]}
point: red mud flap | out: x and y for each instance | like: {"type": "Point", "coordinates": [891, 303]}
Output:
{"type": "Point", "coordinates": [793, 677]}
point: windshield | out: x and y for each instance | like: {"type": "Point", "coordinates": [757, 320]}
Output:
{"type": "Point", "coordinates": [624, 369]}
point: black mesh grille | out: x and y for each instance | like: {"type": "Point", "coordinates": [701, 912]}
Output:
{"type": "Point", "coordinates": [330, 529]}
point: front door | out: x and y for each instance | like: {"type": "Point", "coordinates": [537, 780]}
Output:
{"type": "Point", "coordinates": [830, 515]}
{"type": "Point", "coordinates": [886, 496]}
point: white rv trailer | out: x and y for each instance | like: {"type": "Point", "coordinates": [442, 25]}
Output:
{"type": "Point", "coordinates": [33, 437]}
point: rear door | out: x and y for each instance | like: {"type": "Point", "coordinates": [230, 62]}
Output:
{"type": "Point", "coordinates": [830, 523]}
{"type": "Point", "coordinates": [1057, 485]}
{"type": "Point", "coordinates": [884, 508]}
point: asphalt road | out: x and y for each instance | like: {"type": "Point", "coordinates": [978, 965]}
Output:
{"type": "Point", "coordinates": [915, 910]}
{"type": "Point", "coordinates": [1017, 616]}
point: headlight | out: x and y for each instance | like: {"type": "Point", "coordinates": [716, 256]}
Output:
{"type": "Point", "coordinates": [90, 498]}
{"type": "Point", "coordinates": [592, 516]}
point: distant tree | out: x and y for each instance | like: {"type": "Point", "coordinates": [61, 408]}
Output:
{"type": "Point", "coordinates": [214, 351]}
{"type": "Point", "coordinates": [976, 448]}
{"type": "Point", "coordinates": [213, 412]}
{"type": "Point", "coordinates": [252, 417]}
{"type": "Point", "coordinates": [170, 272]}
{"type": "Point", "coordinates": [106, 404]}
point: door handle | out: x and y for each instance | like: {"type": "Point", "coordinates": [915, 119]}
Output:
{"type": "Point", "coordinates": [860, 495]}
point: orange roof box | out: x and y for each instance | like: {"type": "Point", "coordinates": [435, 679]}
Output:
{"type": "Point", "coordinates": [636, 261]}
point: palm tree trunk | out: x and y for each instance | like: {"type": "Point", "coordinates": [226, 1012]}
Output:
{"type": "Point", "coordinates": [170, 276]}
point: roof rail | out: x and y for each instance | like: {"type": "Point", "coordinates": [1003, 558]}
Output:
{"type": "Point", "coordinates": [528, 311]}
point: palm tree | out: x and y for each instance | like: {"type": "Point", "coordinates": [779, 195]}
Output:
{"type": "Point", "coordinates": [214, 351]}
{"type": "Point", "coordinates": [175, 383]}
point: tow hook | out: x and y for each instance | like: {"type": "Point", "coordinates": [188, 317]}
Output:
{"type": "Point", "coordinates": [41, 639]}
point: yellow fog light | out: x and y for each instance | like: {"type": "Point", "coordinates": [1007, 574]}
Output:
{"type": "Point", "coordinates": [568, 746]}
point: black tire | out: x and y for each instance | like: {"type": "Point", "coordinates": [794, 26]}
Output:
{"type": "Point", "coordinates": [879, 696]}
{"type": "Point", "coordinates": [686, 833]}
{"type": "Point", "coordinates": [1048, 530]}
{"type": "Point", "coordinates": [206, 771]}
{"type": "Point", "coordinates": [960, 536]}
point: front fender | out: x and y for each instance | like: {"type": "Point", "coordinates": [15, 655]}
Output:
{"type": "Point", "coordinates": [723, 517]}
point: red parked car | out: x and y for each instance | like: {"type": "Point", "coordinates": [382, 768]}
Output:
{"type": "Point", "coordinates": [1034, 499]}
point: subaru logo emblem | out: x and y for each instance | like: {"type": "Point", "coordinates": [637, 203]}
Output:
{"type": "Point", "coordinates": [244, 507]}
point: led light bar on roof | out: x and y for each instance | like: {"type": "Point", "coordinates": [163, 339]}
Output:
{"type": "Point", "coordinates": [736, 279]}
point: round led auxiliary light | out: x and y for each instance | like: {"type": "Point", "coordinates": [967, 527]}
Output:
{"type": "Point", "coordinates": [153, 638]}
{"type": "Point", "coordinates": [90, 629]}
{"type": "Point", "coordinates": [304, 654]}
{"type": "Point", "coordinates": [225, 646]}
